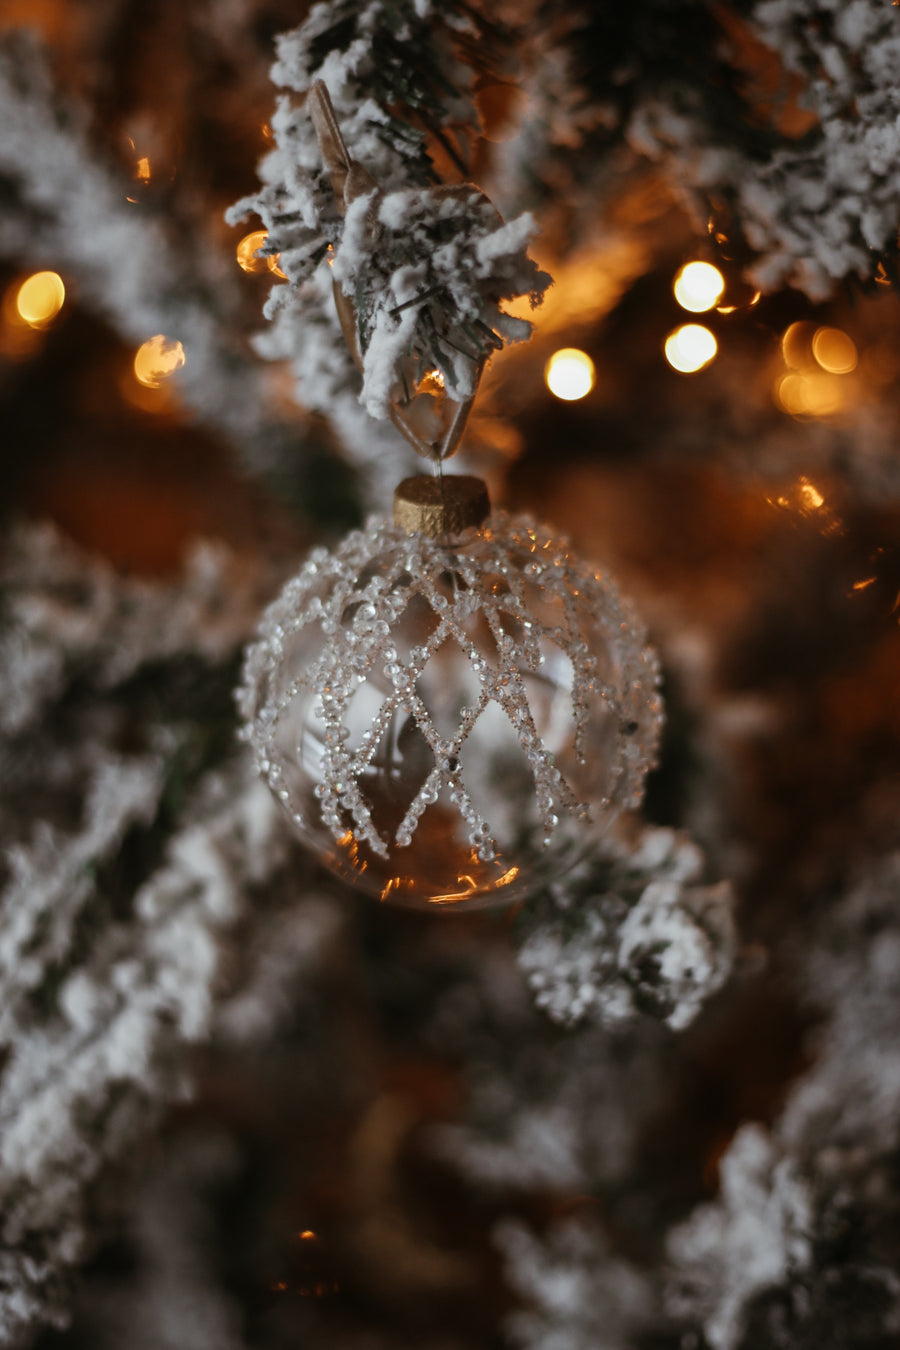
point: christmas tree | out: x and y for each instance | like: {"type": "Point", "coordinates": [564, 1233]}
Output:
{"type": "Point", "coordinates": [637, 268]}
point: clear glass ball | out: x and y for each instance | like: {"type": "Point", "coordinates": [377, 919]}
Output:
{"type": "Point", "coordinates": [449, 724]}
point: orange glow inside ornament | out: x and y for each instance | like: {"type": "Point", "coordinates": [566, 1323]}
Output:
{"type": "Point", "coordinates": [451, 708]}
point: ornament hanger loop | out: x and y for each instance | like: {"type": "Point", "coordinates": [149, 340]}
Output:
{"type": "Point", "coordinates": [350, 180]}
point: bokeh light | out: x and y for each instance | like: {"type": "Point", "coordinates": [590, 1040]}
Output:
{"type": "Point", "coordinates": [810, 494]}
{"type": "Point", "coordinates": [246, 252]}
{"type": "Point", "coordinates": [40, 298]}
{"type": "Point", "coordinates": [690, 348]}
{"type": "Point", "coordinates": [569, 374]}
{"type": "Point", "coordinates": [810, 393]}
{"type": "Point", "coordinates": [796, 344]}
{"type": "Point", "coordinates": [834, 350]}
{"type": "Point", "coordinates": [246, 255]}
{"type": "Point", "coordinates": [157, 359]}
{"type": "Point", "coordinates": [698, 286]}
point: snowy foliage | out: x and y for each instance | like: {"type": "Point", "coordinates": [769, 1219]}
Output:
{"type": "Point", "coordinates": [65, 616]}
{"type": "Point", "coordinates": [817, 201]}
{"type": "Point", "coordinates": [177, 1294]}
{"type": "Point", "coordinates": [555, 1110]}
{"type": "Point", "coordinates": [426, 266]}
{"type": "Point", "coordinates": [824, 206]}
{"type": "Point", "coordinates": [577, 1295]}
{"type": "Point", "coordinates": [754, 1236]}
{"type": "Point", "coordinates": [641, 935]}
{"type": "Point", "coordinates": [786, 1238]}
{"type": "Point", "coordinates": [64, 207]}
{"type": "Point", "coordinates": [109, 936]}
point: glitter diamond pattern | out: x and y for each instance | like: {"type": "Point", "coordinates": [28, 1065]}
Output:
{"type": "Point", "coordinates": [495, 584]}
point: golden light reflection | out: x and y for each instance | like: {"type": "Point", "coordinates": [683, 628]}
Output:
{"type": "Point", "coordinates": [246, 252]}
{"type": "Point", "coordinates": [810, 393]}
{"type": "Point", "coordinates": [157, 360]}
{"type": "Point", "coordinates": [142, 169]}
{"type": "Point", "coordinates": [40, 298]}
{"type": "Point", "coordinates": [432, 383]}
{"type": "Point", "coordinates": [698, 286]}
{"type": "Point", "coordinates": [796, 344]}
{"type": "Point", "coordinates": [569, 374]}
{"type": "Point", "coordinates": [690, 348]}
{"type": "Point", "coordinates": [811, 495]}
{"type": "Point", "coordinates": [864, 584]}
{"type": "Point", "coordinates": [307, 1234]}
{"type": "Point", "coordinates": [732, 309]}
{"type": "Point", "coordinates": [470, 887]}
{"type": "Point", "coordinates": [834, 350]}
{"type": "Point", "coordinates": [804, 499]}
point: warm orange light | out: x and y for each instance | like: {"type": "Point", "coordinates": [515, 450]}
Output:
{"type": "Point", "coordinates": [40, 298]}
{"type": "Point", "coordinates": [809, 393]}
{"type": "Point", "coordinates": [307, 1234]}
{"type": "Point", "coordinates": [690, 348]}
{"type": "Point", "coordinates": [698, 286]}
{"type": "Point", "coordinates": [796, 344]}
{"type": "Point", "coordinates": [246, 252]}
{"type": "Point", "coordinates": [862, 585]}
{"type": "Point", "coordinates": [157, 359]}
{"type": "Point", "coordinates": [432, 383]}
{"type": "Point", "coordinates": [834, 350]}
{"type": "Point", "coordinates": [142, 169]}
{"type": "Point", "coordinates": [811, 496]}
{"type": "Point", "coordinates": [569, 374]}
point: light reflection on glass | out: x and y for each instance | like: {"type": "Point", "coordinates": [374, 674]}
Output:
{"type": "Point", "coordinates": [811, 495]}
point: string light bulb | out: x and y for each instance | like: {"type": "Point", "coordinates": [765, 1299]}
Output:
{"type": "Point", "coordinates": [690, 348]}
{"type": "Point", "coordinates": [698, 287]}
{"type": "Point", "coordinates": [247, 251]}
{"type": "Point", "coordinates": [570, 374]}
{"type": "Point", "coordinates": [40, 298]}
{"type": "Point", "coordinates": [834, 350]}
{"type": "Point", "coordinates": [157, 359]}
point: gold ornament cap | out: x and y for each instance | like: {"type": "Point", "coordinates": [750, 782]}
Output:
{"type": "Point", "coordinates": [441, 505]}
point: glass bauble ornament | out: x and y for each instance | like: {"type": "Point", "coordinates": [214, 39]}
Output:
{"type": "Point", "coordinates": [448, 721]}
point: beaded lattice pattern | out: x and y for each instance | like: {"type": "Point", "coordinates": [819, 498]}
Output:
{"type": "Point", "coordinates": [512, 576]}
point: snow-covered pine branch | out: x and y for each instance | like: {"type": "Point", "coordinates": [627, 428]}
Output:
{"type": "Point", "coordinates": [789, 1241]}
{"type": "Point", "coordinates": [130, 832]}
{"type": "Point", "coordinates": [65, 208]}
{"type": "Point", "coordinates": [634, 933]}
{"type": "Point", "coordinates": [814, 196]}
{"type": "Point", "coordinates": [426, 266]}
